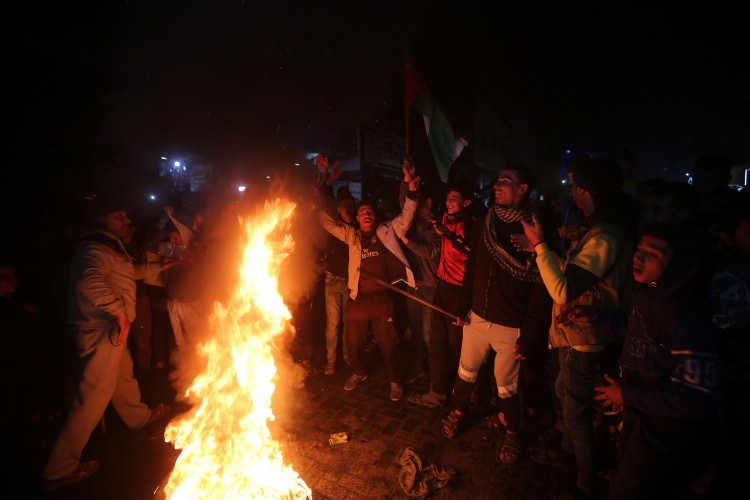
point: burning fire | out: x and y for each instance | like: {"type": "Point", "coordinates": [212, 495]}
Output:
{"type": "Point", "coordinates": [227, 449]}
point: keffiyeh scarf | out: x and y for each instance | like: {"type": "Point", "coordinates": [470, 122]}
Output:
{"type": "Point", "coordinates": [524, 271]}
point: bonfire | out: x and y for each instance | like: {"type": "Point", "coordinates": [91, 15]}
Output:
{"type": "Point", "coordinates": [227, 451]}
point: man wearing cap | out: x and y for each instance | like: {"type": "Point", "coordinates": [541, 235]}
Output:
{"type": "Point", "coordinates": [101, 308]}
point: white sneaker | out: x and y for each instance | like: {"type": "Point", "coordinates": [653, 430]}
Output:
{"type": "Point", "coordinates": [353, 381]}
{"type": "Point", "coordinates": [397, 391]}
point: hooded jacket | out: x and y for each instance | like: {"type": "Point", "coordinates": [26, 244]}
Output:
{"type": "Point", "coordinates": [604, 255]}
{"type": "Point", "coordinates": [669, 357]}
{"type": "Point", "coordinates": [103, 281]}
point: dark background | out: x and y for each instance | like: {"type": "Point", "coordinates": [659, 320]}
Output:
{"type": "Point", "coordinates": [97, 88]}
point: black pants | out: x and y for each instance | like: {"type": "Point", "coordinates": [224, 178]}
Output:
{"type": "Point", "coordinates": [444, 349]}
{"type": "Point", "coordinates": [373, 311]}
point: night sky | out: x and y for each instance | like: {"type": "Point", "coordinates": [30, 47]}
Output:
{"type": "Point", "coordinates": [241, 83]}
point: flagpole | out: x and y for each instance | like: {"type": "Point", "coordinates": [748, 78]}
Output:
{"type": "Point", "coordinates": [406, 106]}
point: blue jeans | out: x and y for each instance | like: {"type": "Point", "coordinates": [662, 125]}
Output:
{"type": "Point", "coordinates": [336, 295]}
{"type": "Point", "coordinates": [574, 388]}
{"type": "Point", "coordinates": [420, 320]}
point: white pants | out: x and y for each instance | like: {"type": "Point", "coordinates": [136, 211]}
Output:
{"type": "Point", "coordinates": [186, 319]}
{"type": "Point", "coordinates": [479, 337]}
{"type": "Point", "coordinates": [107, 377]}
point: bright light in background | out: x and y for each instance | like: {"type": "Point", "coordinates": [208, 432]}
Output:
{"type": "Point", "coordinates": [164, 158]}
{"type": "Point", "coordinates": [241, 188]}
{"type": "Point", "coordinates": [177, 164]}
{"type": "Point", "coordinates": [152, 197]}
{"type": "Point", "coordinates": [268, 177]}
{"type": "Point", "coordinates": [296, 164]}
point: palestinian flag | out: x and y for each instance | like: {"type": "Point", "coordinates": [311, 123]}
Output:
{"type": "Point", "coordinates": [445, 146]}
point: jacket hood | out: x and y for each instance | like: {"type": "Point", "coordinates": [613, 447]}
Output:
{"type": "Point", "coordinates": [683, 278]}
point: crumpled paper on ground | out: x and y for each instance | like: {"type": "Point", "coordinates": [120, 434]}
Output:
{"type": "Point", "coordinates": [419, 480]}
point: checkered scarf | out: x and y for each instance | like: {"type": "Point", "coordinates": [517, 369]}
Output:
{"type": "Point", "coordinates": [524, 271]}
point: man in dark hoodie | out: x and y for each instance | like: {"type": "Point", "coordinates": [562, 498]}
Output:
{"type": "Point", "coordinates": [668, 390]}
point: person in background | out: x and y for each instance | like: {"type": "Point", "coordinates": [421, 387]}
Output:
{"type": "Point", "coordinates": [626, 159]}
{"type": "Point", "coordinates": [593, 276]}
{"type": "Point", "coordinates": [668, 388]}
{"type": "Point", "coordinates": [571, 218]}
{"type": "Point", "coordinates": [30, 368]}
{"type": "Point", "coordinates": [336, 263]}
{"type": "Point", "coordinates": [141, 329]}
{"type": "Point", "coordinates": [444, 347]}
{"type": "Point", "coordinates": [712, 174]}
{"type": "Point", "coordinates": [730, 307]}
{"type": "Point", "coordinates": [185, 283]}
{"type": "Point", "coordinates": [101, 310]}
{"type": "Point", "coordinates": [423, 251]}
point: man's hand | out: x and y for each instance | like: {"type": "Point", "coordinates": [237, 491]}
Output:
{"type": "Point", "coordinates": [436, 226]}
{"type": "Point", "coordinates": [521, 243]}
{"type": "Point", "coordinates": [322, 163]}
{"type": "Point", "coordinates": [533, 230]}
{"type": "Point", "coordinates": [408, 168]}
{"type": "Point", "coordinates": [610, 395]}
{"type": "Point", "coordinates": [167, 262]}
{"type": "Point", "coordinates": [458, 321]}
{"type": "Point", "coordinates": [577, 314]}
{"type": "Point", "coordinates": [123, 330]}
{"type": "Point", "coordinates": [335, 173]}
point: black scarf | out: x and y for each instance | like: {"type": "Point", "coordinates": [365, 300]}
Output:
{"type": "Point", "coordinates": [524, 271]}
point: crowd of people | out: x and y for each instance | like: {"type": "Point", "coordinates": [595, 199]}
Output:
{"type": "Point", "coordinates": [618, 298]}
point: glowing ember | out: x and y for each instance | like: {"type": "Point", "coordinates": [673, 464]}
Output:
{"type": "Point", "coordinates": [227, 449]}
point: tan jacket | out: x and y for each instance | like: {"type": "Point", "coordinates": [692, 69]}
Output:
{"type": "Point", "coordinates": [387, 233]}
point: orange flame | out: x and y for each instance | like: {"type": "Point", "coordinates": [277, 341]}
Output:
{"type": "Point", "coordinates": [227, 449]}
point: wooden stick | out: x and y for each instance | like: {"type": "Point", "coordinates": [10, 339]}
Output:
{"type": "Point", "coordinates": [413, 297]}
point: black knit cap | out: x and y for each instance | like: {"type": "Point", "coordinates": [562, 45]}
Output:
{"type": "Point", "coordinates": [105, 202]}
{"type": "Point", "coordinates": [602, 177]}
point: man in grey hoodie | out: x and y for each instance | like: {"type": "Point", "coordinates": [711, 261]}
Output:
{"type": "Point", "coordinates": [101, 308]}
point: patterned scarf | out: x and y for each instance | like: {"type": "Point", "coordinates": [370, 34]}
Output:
{"type": "Point", "coordinates": [524, 271]}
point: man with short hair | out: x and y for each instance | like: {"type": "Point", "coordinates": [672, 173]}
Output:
{"type": "Point", "coordinates": [336, 261]}
{"type": "Point", "coordinates": [101, 309]}
{"type": "Point", "coordinates": [375, 260]}
{"type": "Point", "coordinates": [589, 281]}
{"type": "Point", "coordinates": [444, 346]}
{"type": "Point", "coordinates": [508, 307]}
{"type": "Point", "coordinates": [423, 245]}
